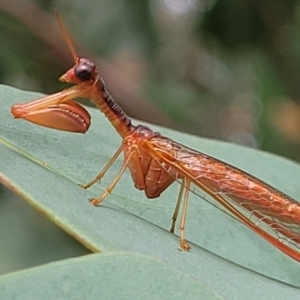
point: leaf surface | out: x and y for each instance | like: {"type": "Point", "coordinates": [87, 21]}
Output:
{"type": "Point", "coordinates": [44, 167]}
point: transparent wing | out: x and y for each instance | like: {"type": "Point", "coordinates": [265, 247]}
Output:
{"type": "Point", "coordinates": [267, 211]}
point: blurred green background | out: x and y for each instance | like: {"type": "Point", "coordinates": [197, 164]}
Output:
{"type": "Point", "coordinates": [224, 69]}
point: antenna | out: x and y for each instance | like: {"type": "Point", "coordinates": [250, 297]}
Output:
{"type": "Point", "coordinates": [66, 37]}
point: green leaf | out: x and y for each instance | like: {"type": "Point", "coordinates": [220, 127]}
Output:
{"type": "Point", "coordinates": [107, 276]}
{"type": "Point", "coordinates": [44, 166]}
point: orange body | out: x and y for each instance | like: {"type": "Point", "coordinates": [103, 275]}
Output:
{"type": "Point", "coordinates": [155, 162]}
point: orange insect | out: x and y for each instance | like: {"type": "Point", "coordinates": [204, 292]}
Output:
{"type": "Point", "coordinates": [155, 161]}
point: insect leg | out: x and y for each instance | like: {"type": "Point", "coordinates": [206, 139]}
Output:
{"type": "Point", "coordinates": [102, 173]}
{"type": "Point", "coordinates": [176, 210]}
{"type": "Point", "coordinates": [97, 201]}
{"type": "Point", "coordinates": [183, 244]}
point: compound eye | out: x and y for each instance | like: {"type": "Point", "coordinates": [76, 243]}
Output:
{"type": "Point", "coordinates": [84, 72]}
